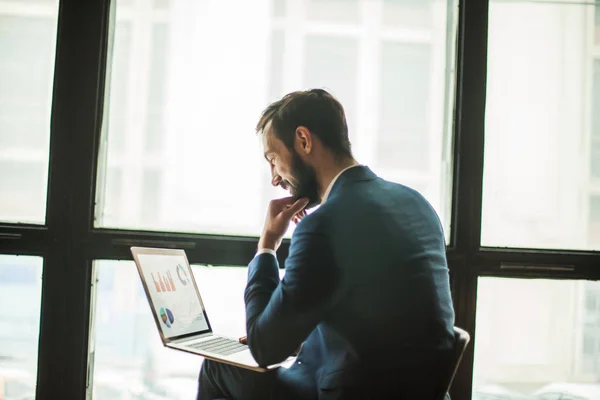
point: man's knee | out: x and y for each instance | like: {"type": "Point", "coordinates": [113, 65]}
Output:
{"type": "Point", "coordinates": [207, 371]}
{"type": "Point", "coordinates": [228, 381]}
{"type": "Point", "coordinates": [208, 387]}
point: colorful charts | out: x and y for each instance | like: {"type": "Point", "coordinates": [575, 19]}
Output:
{"type": "Point", "coordinates": [163, 283]}
{"type": "Point", "coordinates": [182, 275]}
{"type": "Point", "coordinates": [167, 317]}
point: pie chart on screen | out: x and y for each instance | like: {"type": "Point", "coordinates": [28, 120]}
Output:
{"type": "Point", "coordinates": [182, 275]}
{"type": "Point", "coordinates": [167, 317]}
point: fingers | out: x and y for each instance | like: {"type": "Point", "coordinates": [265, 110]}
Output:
{"type": "Point", "coordinates": [283, 202]}
{"type": "Point", "coordinates": [295, 208]}
{"type": "Point", "coordinates": [298, 216]}
{"type": "Point", "coordinates": [243, 340]}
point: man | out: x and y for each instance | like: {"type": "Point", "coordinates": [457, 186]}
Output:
{"type": "Point", "coordinates": [366, 292]}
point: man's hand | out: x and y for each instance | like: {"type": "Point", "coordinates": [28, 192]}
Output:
{"type": "Point", "coordinates": [244, 340]}
{"type": "Point", "coordinates": [298, 217]}
{"type": "Point", "coordinates": [279, 215]}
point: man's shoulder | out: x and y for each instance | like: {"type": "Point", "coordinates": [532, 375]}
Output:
{"type": "Point", "coordinates": [379, 187]}
{"type": "Point", "coordinates": [316, 221]}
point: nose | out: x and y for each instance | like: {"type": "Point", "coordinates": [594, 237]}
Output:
{"type": "Point", "coordinates": [275, 178]}
{"type": "Point", "coordinates": [276, 181]}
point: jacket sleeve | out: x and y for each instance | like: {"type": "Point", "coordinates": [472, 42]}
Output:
{"type": "Point", "coordinates": [281, 314]}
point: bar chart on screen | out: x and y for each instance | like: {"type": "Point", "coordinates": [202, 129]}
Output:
{"type": "Point", "coordinates": [164, 283]}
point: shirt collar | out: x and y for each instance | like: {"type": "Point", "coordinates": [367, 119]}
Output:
{"type": "Point", "coordinates": [326, 195]}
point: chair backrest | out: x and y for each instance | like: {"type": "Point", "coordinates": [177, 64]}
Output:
{"type": "Point", "coordinates": [461, 340]}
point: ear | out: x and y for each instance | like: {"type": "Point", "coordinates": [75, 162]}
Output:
{"type": "Point", "coordinates": [303, 141]}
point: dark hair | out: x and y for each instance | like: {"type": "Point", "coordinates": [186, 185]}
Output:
{"type": "Point", "coordinates": [317, 110]}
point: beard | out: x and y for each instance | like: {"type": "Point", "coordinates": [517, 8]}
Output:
{"type": "Point", "coordinates": [306, 185]}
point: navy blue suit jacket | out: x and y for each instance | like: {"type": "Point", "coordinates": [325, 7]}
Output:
{"type": "Point", "coordinates": [366, 292]}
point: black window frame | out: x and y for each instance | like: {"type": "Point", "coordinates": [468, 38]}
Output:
{"type": "Point", "coordinates": [69, 242]}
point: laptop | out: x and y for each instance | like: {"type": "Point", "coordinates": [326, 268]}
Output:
{"type": "Point", "coordinates": [179, 313]}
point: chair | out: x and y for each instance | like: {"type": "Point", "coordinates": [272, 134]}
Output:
{"type": "Point", "coordinates": [461, 340]}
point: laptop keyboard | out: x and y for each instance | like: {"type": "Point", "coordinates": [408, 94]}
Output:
{"type": "Point", "coordinates": [220, 345]}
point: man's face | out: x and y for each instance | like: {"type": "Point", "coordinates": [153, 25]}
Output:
{"type": "Point", "coordinates": [289, 170]}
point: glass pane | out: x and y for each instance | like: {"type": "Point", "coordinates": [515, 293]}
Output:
{"type": "Point", "coordinates": [277, 48]}
{"type": "Point", "coordinates": [595, 133]}
{"type": "Point", "coordinates": [333, 10]}
{"type": "Point", "coordinates": [537, 339]}
{"type": "Point", "coordinates": [182, 152]}
{"type": "Point", "coordinates": [541, 148]}
{"type": "Point", "coordinates": [401, 13]}
{"type": "Point", "coordinates": [279, 7]}
{"type": "Point", "coordinates": [20, 283]}
{"type": "Point", "coordinates": [131, 362]}
{"type": "Point", "coordinates": [27, 45]}
{"type": "Point", "coordinates": [337, 66]}
{"type": "Point", "coordinates": [156, 93]}
{"type": "Point", "coordinates": [597, 26]}
{"type": "Point", "coordinates": [117, 117]}
{"type": "Point", "coordinates": [403, 140]}
{"type": "Point", "coordinates": [594, 232]}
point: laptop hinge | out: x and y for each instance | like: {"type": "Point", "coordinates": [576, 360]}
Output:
{"type": "Point", "coordinates": [187, 339]}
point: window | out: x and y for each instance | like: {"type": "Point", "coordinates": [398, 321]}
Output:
{"type": "Point", "coordinates": [597, 26]}
{"type": "Point", "coordinates": [540, 126]}
{"type": "Point", "coordinates": [279, 7]}
{"type": "Point", "coordinates": [595, 136]}
{"type": "Point", "coordinates": [156, 94]}
{"type": "Point", "coordinates": [591, 315]}
{"type": "Point", "coordinates": [413, 13]}
{"type": "Point", "coordinates": [117, 117]}
{"type": "Point", "coordinates": [20, 284]}
{"type": "Point", "coordinates": [185, 83]}
{"type": "Point", "coordinates": [185, 125]}
{"type": "Point", "coordinates": [405, 91]}
{"type": "Point", "coordinates": [537, 337]}
{"type": "Point", "coordinates": [594, 220]}
{"type": "Point", "coordinates": [152, 184]}
{"type": "Point", "coordinates": [337, 66]}
{"type": "Point", "coordinates": [333, 10]}
{"type": "Point", "coordinates": [276, 63]}
{"type": "Point", "coordinates": [131, 360]}
{"type": "Point", "coordinates": [27, 45]}
{"type": "Point", "coordinates": [23, 189]}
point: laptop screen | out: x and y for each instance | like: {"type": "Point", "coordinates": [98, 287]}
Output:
{"type": "Point", "coordinates": [173, 294]}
